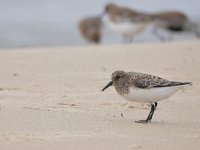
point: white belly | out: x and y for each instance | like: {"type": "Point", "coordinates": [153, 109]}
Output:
{"type": "Point", "coordinates": [151, 95]}
{"type": "Point", "coordinates": [127, 28]}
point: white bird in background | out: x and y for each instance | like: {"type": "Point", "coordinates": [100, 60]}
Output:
{"type": "Point", "coordinates": [126, 21]}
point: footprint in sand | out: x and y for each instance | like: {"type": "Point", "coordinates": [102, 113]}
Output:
{"type": "Point", "coordinates": [135, 146]}
{"type": "Point", "coordinates": [31, 108]}
{"type": "Point", "coordinates": [134, 106]}
{"type": "Point", "coordinates": [66, 104]}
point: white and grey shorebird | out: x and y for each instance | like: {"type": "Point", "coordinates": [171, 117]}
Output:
{"type": "Point", "coordinates": [126, 21]}
{"type": "Point", "coordinates": [144, 88]}
{"type": "Point", "coordinates": [173, 22]}
{"type": "Point", "coordinates": [91, 28]}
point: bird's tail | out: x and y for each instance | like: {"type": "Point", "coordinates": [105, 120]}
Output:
{"type": "Point", "coordinates": [187, 83]}
{"type": "Point", "coordinates": [174, 83]}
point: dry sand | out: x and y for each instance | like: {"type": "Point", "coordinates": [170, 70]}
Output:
{"type": "Point", "coordinates": [50, 98]}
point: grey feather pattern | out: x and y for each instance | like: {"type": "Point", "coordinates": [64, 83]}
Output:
{"type": "Point", "coordinates": [141, 80]}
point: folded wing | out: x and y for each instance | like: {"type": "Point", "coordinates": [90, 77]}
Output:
{"type": "Point", "coordinates": [146, 81]}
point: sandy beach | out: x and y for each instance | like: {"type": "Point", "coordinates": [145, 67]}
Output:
{"type": "Point", "coordinates": [50, 98]}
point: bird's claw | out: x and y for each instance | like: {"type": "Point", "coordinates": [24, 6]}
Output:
{"type": "Point", "coordinates": [142, 121]}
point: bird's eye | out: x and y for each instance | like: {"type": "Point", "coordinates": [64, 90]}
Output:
{"type": "Point", "coordinates": [117, 77]}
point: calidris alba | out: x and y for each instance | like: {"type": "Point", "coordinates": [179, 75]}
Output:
{"type": "Point", "coordinates": [125, 21]}
{"type": "Point", "coordinates": [144, 88]}
{"type": "Point", "coordinates": [174, 22]}
{"type": "Point", "coordinates": [91, 29]}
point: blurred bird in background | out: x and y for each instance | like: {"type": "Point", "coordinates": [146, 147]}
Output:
{"type": "Point", "coordinates": [91, 29]}
{"type": "Point", "coordinates": [173, 22]}
{"type": "Point", "coordinates": [126, 21]}
{"type": "Point", "coordinates": [129, 23]}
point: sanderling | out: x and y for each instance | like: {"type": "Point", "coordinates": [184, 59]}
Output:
{"type": "Point", "coordinates": [175, 22]}
{"type": "Point", "coordinates": [125, 21]}
{"type": "Point", "coordinates": [91, 29]}
{"type": "Point", "coordinates": [144, 88]}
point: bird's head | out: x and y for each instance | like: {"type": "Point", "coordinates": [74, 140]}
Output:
{"type": "Point", "coordinates": [110, 7]}
{"type": "Point", "coordinates": [114, 78]}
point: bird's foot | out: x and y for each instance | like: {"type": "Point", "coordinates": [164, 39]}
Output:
{"type": "Point", "coordinates": [143, 121]}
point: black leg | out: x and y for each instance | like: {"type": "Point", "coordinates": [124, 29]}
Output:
{"type": "Point", "coordinates": [158, 35]}
{"type": "Point", "coordinates": [151, 113]}
{"type": "Point", "coordinates": [127, 39]}
{"type": "Point", "coordinates": [153, 108]}
{"type": "Point", "coordinates": [170, 37]}
{"type": "Point", "coordinates": [130, 39]}
{"type": "Point", "coordinates": [124, 39]}
{"type": "Point", "coordinates": [197, 34]}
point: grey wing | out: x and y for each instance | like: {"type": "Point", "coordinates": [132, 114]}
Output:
{"type": "Point", "coordinates": [129, 15]}
{"type": "Point", "coordinates": [149, 81]}
{"type": "Point", "coordinates": [126, 15]}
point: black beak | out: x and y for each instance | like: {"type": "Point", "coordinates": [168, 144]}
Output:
{"type": "Point", "coordinates": [109, 84]}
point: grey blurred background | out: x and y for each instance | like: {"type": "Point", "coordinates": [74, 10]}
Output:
{"type": "Point", "coordinates": [47, 23]}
